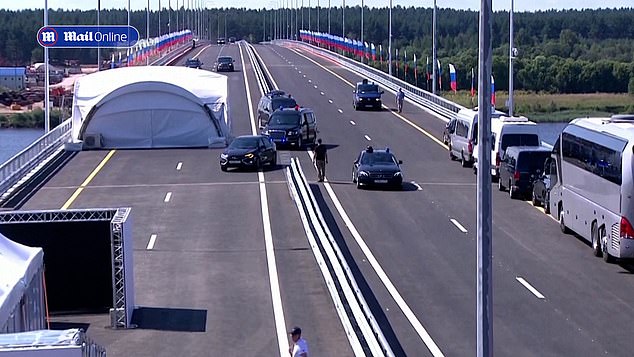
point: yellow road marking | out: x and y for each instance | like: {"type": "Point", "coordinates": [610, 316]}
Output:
{"type": "Point", "coordinates": [92, 175]}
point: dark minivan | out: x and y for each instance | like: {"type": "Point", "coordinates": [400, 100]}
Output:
{"type": "Point", "coordinates": [292, 126]}
{"type": "Point", "coordinates": [272, 101]}
{"type": "Point", "coordinates": [518, 168]}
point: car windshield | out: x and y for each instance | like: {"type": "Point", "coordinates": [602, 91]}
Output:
{"type": "Point", "coordinates": [378, 158]}
{"type": "Point", "coordinates": [283, 102]}
{"type": "Point", "coordinates": [531, 161]}
{"type": "Point", "coordinates": [225, 60]}
{"type": "Point", "coordinates": [291, 118]}
{"type": "Point", "coordinates": [244, 143]}
{"type": "Point", "coordinates": [365, 88]}
{"type": "Point", "coordinates": [519, 140]}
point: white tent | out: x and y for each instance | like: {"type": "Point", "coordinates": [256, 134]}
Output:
{"type": "Point", "coordinates": [151, 107]}
{"type": "Point", "coordinates": [21, 289]}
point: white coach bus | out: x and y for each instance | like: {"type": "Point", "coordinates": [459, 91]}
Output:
{"type": "Point", "coordinates": [592, 194]}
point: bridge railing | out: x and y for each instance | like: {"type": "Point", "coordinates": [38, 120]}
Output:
{"type": "Point", "coordinates": [26, 160]}
{"type": "Point", "coordinates": [441, 106]}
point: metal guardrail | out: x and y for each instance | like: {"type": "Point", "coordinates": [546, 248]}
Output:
{"type": "Point", "coordinates": [364, 333]}
{"type": "Point", "coordinates": [26, 160]}
{"type": "Point", "coordinates": [439, 105]}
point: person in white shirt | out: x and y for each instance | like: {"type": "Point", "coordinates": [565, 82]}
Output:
{"type": "Point", "coordinates": [299, 348]}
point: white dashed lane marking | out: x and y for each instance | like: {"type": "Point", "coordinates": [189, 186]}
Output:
{"type": "Point", "coordinates": [168, 197]}
{"type": "Point", "coordinates": [368, 138]}
{"type": "Point", "coordinates": [179, 166]}
{"type": "Point", "coordinates": [530, 287]}
{"type": "Point", "coordinates": [458, 225]}
{"type": "Point", "coordinates": [150, 244]}
{"type": "Point", "coordinates": [352, 122]}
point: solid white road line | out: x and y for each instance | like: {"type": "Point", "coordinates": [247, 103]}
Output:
{"type": "Point", "coordinates": [407, 311]}
{"type": "Point", "coordinates": [530, 287]}
{"type": "Point", "coordinates": [352, 122]}
{"type": "Point", "coordinates": [274, 283]}
{"type": "Point", "coordinates": [458, 225]}
{"type": "Point", "coordinates": [168, 197]}
{"type": "Point", "coordinates": [367, 138]}
{"type": "Point", "coordinates": [179, 166]}
{"type": "Point", "coordinates": [150, 244]}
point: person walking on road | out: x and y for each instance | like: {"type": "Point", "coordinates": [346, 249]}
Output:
{"type": "Point", "coordinates": [400, 96]}
{"type": "Point", "coordinates": [321, 159]}
{"type": "Point", "coordinates": [299, 347]}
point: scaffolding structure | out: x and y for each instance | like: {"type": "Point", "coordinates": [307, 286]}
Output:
{"type": "Point", "coordinates": [121, 253]}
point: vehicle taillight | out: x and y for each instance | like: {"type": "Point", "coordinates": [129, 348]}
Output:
{"type": "Point", "coordinates": [516, 175]}
{"type": "Point", "coordinates": [470, 147]}
{"type": "Point", "coordinates": [497, 160]}
{"type": "Point", "coordinates": [627, 231]}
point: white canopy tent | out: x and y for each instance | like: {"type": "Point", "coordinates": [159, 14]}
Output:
{"type": "Point", "coordinates": [151, 107]}
{"type": "Point", "coordinates": [21, 287]}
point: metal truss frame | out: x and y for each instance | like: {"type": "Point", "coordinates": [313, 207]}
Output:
{"type": "Point", "coordinates": [118, 217]}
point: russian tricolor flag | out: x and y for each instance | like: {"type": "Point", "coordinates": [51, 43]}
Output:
{"type": "Point", "coordinates": [452, 77]}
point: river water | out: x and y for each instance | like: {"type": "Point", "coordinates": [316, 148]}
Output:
{"type": "Point", "coordinates": [13, 141]}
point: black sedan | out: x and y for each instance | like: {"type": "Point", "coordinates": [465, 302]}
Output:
{"type": "Point", "coordinates": [252, 151]}
{"type": "Point", "coordinates": [224, 63]}
{"type": "Point", "coordinates": [377, 167]}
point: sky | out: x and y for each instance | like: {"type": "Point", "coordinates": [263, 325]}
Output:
{"type": "Point", "coordinates": [519, 5]}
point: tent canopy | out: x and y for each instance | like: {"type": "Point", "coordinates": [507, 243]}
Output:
{"type": "Point", "coordinates": [151, 107]}
{"type": "Point", "coordinates": [19, 264]}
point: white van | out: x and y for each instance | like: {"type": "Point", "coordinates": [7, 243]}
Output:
{"type": "Point", "coordinates": [508, 131]}
{"type": "Point", "coordinates": [463, 135]}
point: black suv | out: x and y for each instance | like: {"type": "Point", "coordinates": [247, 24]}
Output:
{"type": "Point", "coordinates": [366, 95]}
{"type": "Point", "coordinates": [292, 126]}
{"type": "Point", "coordinates": [221, 41]}
{"type": "Point", "coordinates": [271, 101]}
{"type": "Point", "coordinates": [377, 167]}
{"type": "Point", "coordinates": [249, 151]}
{"type": "Point", "coordinates": [519, 167]}
{"type": "Point", "coordinates": [224, 63]}
{"type": "Point", "coordinates": [193, 63]}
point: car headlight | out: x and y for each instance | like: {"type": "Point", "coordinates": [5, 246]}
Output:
{"type": "Point", "coordinates": [249, 155]}
{"type": "Point", "coordinates": [224, 156]}
{"type": "Point", "coordinates": [397, 174]}
{"type": "Point", "coordinates": [363, 173]}
{"type": "Point", "coordinates": [377, 99]}
{"type": "Point", "coordinates": [292, 132]}
{"type": "Point", "coordinates": [265, 132]}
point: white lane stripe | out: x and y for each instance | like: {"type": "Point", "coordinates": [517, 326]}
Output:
{"type": "Point", "coordinates": [310, 81]}
{"type": "Point", "coordinates": [409, 314]}
{"type": "Point", "coordinates": [179, 166]}
{"type": "Point", "coordinates": [340, 111]}
{"type": "Point", "coordinates": [330, 101]}
{"type": "Point", "coordinates": [458, 225]}
{"type": "Point", "coordinates": [352, 122]}
{"type": "Point", "coordinates": [368, 138]}
{"type": "Point", "coordinates": [274, 283]}
{"type": "Point", "coordinates": [530, 287]}
{"type": "Point", "coordinates": [168, 197]}
{"type": "Point", "coordinates": [150, 244]}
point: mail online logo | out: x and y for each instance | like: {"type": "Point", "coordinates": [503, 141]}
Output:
{"type": "Point", "coordinates": [47, 36]}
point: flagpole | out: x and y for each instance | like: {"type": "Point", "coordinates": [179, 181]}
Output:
{"type": "Point", "coordinates": [362, 28]}
{"type": "Point", "coordinates": [511, 61]}
{"type": "Point", "coordinates": [389, 43]}
{"type": "Point", "coordinates": [98, 47]}
{"type": "Point", "coordinates": [433, 55]}
{"type": "Point", "coordinates": [47, 106]}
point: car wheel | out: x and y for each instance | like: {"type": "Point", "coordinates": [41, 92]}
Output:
{"type": "Point", "coordinates": [274, 160]}
{"type": "Point", "coordinates": [512, 191]}
{"type": "Point", "coordinates": [354, 179]}
{"type": "Point", "coordinates": [258, 164]}
{"type": "Point", "coordinates": [475, 170]}
{"type": "Point", "coordinates": [223, 168]}
{"type": "Point", "coordinates": [358, 185]}
{"type": "Point", "coordinates": [534, 200]}
{"type": "Point", "coordinates": [451, 156]}
{"type": "Point", "coordinates": [604, 243]}
{"type": "Point", "coordinates": [300, 142]}
{"type": "Point", "coordinates": [500, 186]}
{"type": "Point", "coordinates": [463, 162]}
{"type": "Point", "coordinates": [562, 223]}
{"type": "Point", "coordinates": [596, 241]}
{"type": "Point", "coordinates": [546, 204]}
